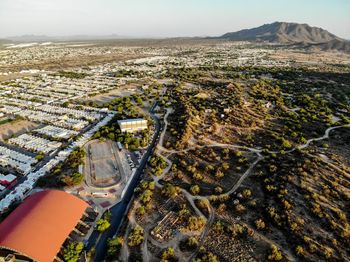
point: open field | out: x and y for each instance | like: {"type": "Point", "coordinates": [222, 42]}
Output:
{"type": "Point", "coordinates": [120, 91]}
{"type": "Point", "coordinates": [102, 165]}
{"type": "Point", "coordinates": [16, 128]}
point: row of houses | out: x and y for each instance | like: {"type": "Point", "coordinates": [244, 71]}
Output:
{"type": "Point", "coordinates": [53, 87]}
{"type": "Point", "coordinates": [35, 143]}
{"type": "Point", "coordinates": [43, 117]}
{"type": "Point", "coordinates": [56, 132]}
{"type": "Point", "coordinates": [20, 191]}
{"type": "Point", "coordinates": [18, 161]}
{"type": "Point", "coordinates": [78, 114]}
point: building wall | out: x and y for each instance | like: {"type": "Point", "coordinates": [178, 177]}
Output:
{"type": "Point", "coordinates": [132, 126]}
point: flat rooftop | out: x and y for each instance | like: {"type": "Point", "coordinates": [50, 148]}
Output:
{"type": "Point", "coordinates": [131, 120]}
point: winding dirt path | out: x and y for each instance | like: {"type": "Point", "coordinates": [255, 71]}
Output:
{"type": "Point", "coordinates": [166, 153]}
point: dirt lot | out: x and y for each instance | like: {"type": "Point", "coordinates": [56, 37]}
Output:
{"type": "Point", "coordinates": [17, 128]}
{"type": "Point", "coordinates": [126, 90]}
{"type": "Point", "coordinates": [102, 163]}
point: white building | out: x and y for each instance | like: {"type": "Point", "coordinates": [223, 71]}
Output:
{"type": "Point", "coordinates": [132, 125]}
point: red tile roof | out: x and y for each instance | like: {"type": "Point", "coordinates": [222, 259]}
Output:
{"type": "Point", "coordinates": [41, 224]}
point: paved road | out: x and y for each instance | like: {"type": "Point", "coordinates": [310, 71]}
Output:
{"type": "Point", "coordinates": [120, 210]}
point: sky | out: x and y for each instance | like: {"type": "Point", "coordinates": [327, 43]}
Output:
{"type": "Point", "coordinates": [165, 18]}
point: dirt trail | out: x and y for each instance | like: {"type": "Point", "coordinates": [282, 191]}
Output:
{"type": "Point", "coordinates": [166, 153]}
{"type": "Point", "coordinates": [191, 198]}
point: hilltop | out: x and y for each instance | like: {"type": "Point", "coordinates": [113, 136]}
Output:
{"type": "Point", "coordinates": [301, 35]}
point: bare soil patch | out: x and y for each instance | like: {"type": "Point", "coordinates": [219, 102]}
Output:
{"type": "Point", "coordinates": [16, 128]}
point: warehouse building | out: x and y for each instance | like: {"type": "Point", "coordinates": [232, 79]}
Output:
{"type": "Point", "coordinates": [132, 125]}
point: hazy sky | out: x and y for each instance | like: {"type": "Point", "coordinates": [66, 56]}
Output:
{"type": "Point", "coordinates": [165, 18]}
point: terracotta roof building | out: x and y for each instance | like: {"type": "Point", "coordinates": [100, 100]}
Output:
{"type": "Point", "coordinates": [38, 227]}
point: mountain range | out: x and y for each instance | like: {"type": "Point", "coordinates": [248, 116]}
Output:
{"type": "Point", "coordinates": [298, 35]}
{"type": "Point", "coordinates": [291, 34]}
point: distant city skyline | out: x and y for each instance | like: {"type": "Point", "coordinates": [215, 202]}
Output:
{"type": "Point", "coordinates": [165, 18]}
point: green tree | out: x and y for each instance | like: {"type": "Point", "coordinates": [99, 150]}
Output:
{"type": "Point", "coordinates": [113, 247]}
{"type": "Point", "coordinates": [299, 250]}
{"type": "Point", "coordinates": [40, 156]}
{"type": "Point", "coordinates": [170, 190]}
{"type": "Point", "coordinates": [72, 251]}
{"type": "Point", "coordinates": [73, 179]}
{"type": "Point", "coordinates": [286, 144]}
{"type": "Point", "coordinates": [102, 225]}
{"type": "Point", "coordinates": [260, 224]}
{"type": "Point", "coordinates": [167, 254]}
{"type": "Point", "coordinates": [195, 189]}
{"type": "Point", "coordinates": [219, 174]}
{"type": "Point", "coordinates": [247, 193]}
{"type": "Point", "coordinates": [141, 210]}
{"type": "Point", "coordinates": [136, 237]}
{"type": "Point", "coordinates": [146, 196]}
{"type": "Point", "coordinates": [275, 254]}
{"type": "Point", "coordinates": [195, 223]}
{"type": "Point", "coordinates": [192, 241]}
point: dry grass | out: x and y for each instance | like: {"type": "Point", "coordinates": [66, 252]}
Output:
{"type": "Point", "coordinates": [16, 128]}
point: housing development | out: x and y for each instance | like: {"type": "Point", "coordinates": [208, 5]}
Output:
{"type": "Point", "coordinates": [173, 150]}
